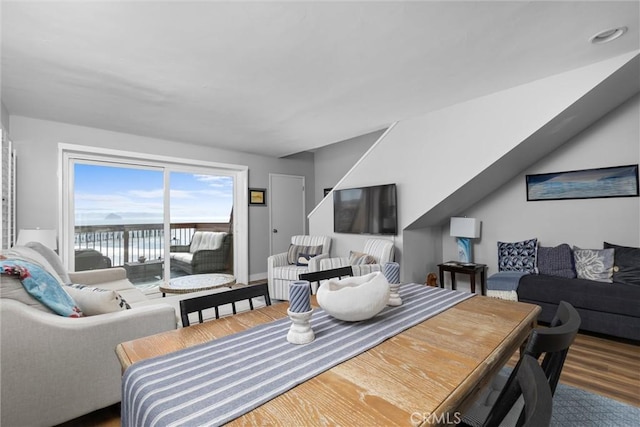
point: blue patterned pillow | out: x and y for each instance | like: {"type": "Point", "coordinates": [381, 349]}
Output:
{"type": "Point", "coordinates": [41, 285]}
{"type": "Point", "coordinates": [594, 264]}
{"type": "Point", "coordinates": [556, 261]}
{"type": "Point", "coordinates": [303, 259]}
{"type": "Point", "coordinates": [517, 256]}
{"type": "Point", "coordinates": [293, 254]}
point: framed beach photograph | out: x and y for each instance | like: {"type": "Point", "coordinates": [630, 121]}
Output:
{"type": "Point", "coordinates": [618, 181]}
{"type": "Point", "coordinates": [258, 196]}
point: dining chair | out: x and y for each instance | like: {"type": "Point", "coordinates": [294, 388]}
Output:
{"type": "Point", "coordinates": [198, 304]}
{"type": "Point", "coordinates": [553, 342]}
{"type": "Point", "coordinates": [318, 276]}
{"type": "Point", "coordinates": [531, 383]}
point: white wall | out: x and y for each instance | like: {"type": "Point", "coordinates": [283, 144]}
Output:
{"type": "Point", "coordinates": [37, 141]}
{"type": "Point", "coordinates": [507, 216]}
{"type": "Point", "coordinates": [432, 156]}
{"type": "Point", "coordinates": [4, 117]}
{"type": "Point", "coordinates": [334, 161]}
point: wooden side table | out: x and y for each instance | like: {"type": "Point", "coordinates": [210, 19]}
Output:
{"type": "Point", "coordinates": [470, 269]}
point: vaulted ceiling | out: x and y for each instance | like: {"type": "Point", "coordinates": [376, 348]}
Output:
{"type": "Point", "coordinates": [277, 78]}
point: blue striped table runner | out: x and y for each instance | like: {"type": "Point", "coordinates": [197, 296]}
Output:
{"type": "Point", "coordinates": [216, 382]}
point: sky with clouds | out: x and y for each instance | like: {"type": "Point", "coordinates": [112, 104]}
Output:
{"type": "Point", "coordinates": [120, 195]}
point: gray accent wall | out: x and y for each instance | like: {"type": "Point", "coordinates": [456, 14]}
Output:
{"type": "Point", "coordinates": [334, 161]}
{"type": "Point", "coordinates": [37, 141]}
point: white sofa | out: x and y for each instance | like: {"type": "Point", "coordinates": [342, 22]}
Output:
{"type": "Point", "coordinates": [380, 250]}
{"type": "Point", "coordinates": [55, 368]}
{"type": "Point", "coordinates": [280, 272]}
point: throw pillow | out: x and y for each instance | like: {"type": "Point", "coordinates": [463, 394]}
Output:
{"type": "Point", "coordinates": [556, 261]}
{"type": "Point", "coordinates": [360, 258]}
{"type": "Point", "coordinates": [25, 253]}
{"type": "Point", "coordinates": [517, 256]}
{"type": "Point", "coordinates": [295, 250]}
{"type": "Point", "coordinates": [41, 285]}
{"type": "Point", "coordinates": [594, 264]}
{"type": "Point", "coordinates": [93, 301]}
{"type": "Point", "coordinates": [626, 264]}
{"type": "Point", "coordinates": [303, 259]}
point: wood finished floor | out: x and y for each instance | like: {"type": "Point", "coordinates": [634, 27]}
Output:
{"type": "Point", "coordinates": [600, 365]}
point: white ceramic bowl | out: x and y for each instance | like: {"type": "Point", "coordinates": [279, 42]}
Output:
{"type": "Point", "coordinates": [354, 298]}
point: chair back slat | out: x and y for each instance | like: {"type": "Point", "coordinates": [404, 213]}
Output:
{"type": "Point", "coordinates": [531, 382]}
{"type": "Point", "coordinates": [198, 304]}
{"type": "Point", "coordinates": [317, 276]}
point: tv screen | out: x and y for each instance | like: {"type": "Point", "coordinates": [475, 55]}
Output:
{"type": "Point", "coordinates": [365, 210]}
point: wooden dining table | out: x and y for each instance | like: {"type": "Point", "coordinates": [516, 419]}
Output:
{"type": "Point", "coordinates": [425, 375]}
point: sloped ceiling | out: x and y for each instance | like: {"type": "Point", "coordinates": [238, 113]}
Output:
{"type": "Point", "coordinates": [277, 78]}
{"type": "Point", "coordinates": [596, 103]}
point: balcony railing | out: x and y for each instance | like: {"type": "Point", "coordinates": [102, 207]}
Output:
{"type": "Point", "coordinates": [127, 242]}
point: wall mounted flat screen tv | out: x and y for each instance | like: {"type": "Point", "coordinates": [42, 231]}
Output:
{"type": "Point", "coordinates": [366, 210]}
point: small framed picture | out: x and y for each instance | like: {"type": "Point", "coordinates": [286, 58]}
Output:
{"type": "Point", "coordinates": [258, 196]}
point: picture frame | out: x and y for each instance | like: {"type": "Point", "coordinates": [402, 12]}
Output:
{"type": "Point", "coordinates": [258, 197]}
{"type": "Point", "coordinates": [616, 181]}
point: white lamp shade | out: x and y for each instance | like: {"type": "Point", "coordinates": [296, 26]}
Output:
{"type": "Point", "coordinates": [465, 227]}
{"type": "Point", "coordinates": [45, 236]}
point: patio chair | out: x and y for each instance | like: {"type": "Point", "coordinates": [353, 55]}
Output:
{"type": "Point", "coordinates": [207, 253]}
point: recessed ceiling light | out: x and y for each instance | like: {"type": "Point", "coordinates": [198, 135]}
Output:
{"type": "Point", "coordinates": [608, 35]}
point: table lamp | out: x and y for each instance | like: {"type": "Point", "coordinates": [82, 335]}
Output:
{"type": "Point", "coordinates": [47, 237]}
{"type": "Point", "coordinates": [465, 229]}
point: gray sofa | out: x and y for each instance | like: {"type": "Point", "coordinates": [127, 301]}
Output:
{"type": "Point", "coordinates": [55, 368]}
{"type": "Point", "coordinates": [607, 308]}
{"type": "Point", "coordinates": [602, 284]}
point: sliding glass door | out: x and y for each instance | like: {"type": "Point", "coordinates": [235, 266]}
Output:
{"type": "Point", "coordinates": [134, 214]}
{"type": "Point", "coordinates": [119, 219]}
{"type": "Point", "coordinates": [201, 202]}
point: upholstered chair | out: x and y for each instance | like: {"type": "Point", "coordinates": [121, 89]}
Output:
{"type": "Point", "coordinates": [372, 258]}
{"type": "Point", "coordinates": [303, 256]}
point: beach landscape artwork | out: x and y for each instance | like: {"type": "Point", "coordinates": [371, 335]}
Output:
{"type": "Point", "coordinates": [618, 181]}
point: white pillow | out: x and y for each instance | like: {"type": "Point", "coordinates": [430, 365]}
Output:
{"type": "Point", "coordinates": [94, 301]}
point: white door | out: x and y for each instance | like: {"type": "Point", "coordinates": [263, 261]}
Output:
{"type": "Point", "coordinates": [286, 210]}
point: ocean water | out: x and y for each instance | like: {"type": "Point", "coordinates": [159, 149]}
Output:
{"type": "Point", "coordinates": [624, 186]}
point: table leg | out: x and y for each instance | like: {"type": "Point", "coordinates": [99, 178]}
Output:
{"type": "Point", "coordinates": [441, 277]}
{"type": "Point", "coordinates": [472, 276]}
{"type": "Point", "coordinates": [483, 281]}
{"type": "Point", "coordinates": [453, 280]}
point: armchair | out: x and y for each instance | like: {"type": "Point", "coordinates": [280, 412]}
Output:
{"type": "Point", "coordinates": [207, 253]}
{"type": "Point", "coordinates": [382, 251]}
{"type": "Point", "coordinates": [280, 271]}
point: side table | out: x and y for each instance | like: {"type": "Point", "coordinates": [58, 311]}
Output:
{"type": "Point", "coordinates": [470, 269]}
{"type": "Point", "coordinates": [141, 271]}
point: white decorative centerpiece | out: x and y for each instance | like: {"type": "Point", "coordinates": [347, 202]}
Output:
{"type": "Point", "coordinates": [354, 298]}
{"type": "Point", "coordinates": [300, 312]}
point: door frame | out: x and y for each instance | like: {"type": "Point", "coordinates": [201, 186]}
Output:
{"type": "Point", "coordinates": [304, 205]}
{"type": "Point", "coordinates": [68, 153]}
